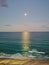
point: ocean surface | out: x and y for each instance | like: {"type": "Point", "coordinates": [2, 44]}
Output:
{"type": "Point", "coordinates": [11, 45]}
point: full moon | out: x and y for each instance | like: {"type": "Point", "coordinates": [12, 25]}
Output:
{"type": "Point", "coordinates": [25, 14]}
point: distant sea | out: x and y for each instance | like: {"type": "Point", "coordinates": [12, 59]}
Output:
{"type": "Point", "coordinates": [11, 43]}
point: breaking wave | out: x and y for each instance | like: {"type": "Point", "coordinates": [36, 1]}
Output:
{"type": "Point", "coordinates": [33, 54]}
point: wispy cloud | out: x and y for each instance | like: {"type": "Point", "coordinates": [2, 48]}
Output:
{"type": "Point", "coordinates": [8, 25]}
{"type": "Point", "coordinates": [45, 26]}
{"type": "Point", "coordinates": [24, 27]}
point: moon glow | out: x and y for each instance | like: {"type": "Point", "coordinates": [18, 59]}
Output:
{"type": "Point", "coordinates": [25, 14]}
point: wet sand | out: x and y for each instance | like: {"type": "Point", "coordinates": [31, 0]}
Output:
{"type": "Point", "coordinates": [23, 62]}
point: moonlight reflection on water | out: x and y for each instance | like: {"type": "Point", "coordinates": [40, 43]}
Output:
{"type": "Point", "coordinates": [25, 40]}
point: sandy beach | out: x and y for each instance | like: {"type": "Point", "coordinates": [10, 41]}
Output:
{"type": "Point", "coordinates": [23, 62]}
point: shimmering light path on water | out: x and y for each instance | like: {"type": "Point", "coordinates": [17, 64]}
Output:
{"type": "Point", "coordinates": [25, 41]}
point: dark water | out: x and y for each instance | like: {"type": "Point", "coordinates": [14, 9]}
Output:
{"type": "Point", "coordinates": [11, 42]}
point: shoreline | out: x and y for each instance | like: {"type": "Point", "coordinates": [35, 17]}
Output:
{"type": "Point", "coordinates": [10, 61]}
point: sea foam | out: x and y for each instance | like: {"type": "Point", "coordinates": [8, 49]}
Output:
{"type": "Point", "coordinates": [33, 54]}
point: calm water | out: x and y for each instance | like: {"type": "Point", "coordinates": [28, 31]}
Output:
{"type": "Point", "coordinates": [11, 42]}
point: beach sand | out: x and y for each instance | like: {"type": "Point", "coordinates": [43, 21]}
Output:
{"type": "Point", "coordinates": [7, 61]}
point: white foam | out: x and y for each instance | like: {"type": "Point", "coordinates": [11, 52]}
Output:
{"type": "Point", "coordinates": [14, 56]}
{"type": "Point", "coordinates": [18, 56]}
{"type": "Point", "coordinates": [31, 54]}
{"type": "Point", "coordinates": [46, 57]}
{"type": "Point", "coordinates": [35, 51]}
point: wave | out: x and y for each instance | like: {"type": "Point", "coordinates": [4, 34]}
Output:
{"type": "Point", "coordinates": [33, 54]}
{"type": "Point", "coordinates": [35, 51]}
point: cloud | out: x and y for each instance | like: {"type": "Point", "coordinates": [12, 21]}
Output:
{"type": "Point", "coordinates": [24, 27]}
{"type": "Point", "coordinates": [8, 25]}
{"type": "Point", "coordinates": [45, 26]}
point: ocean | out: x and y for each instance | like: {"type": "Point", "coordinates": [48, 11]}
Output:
{"type": "Point", "coordinates": [35, 44]}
